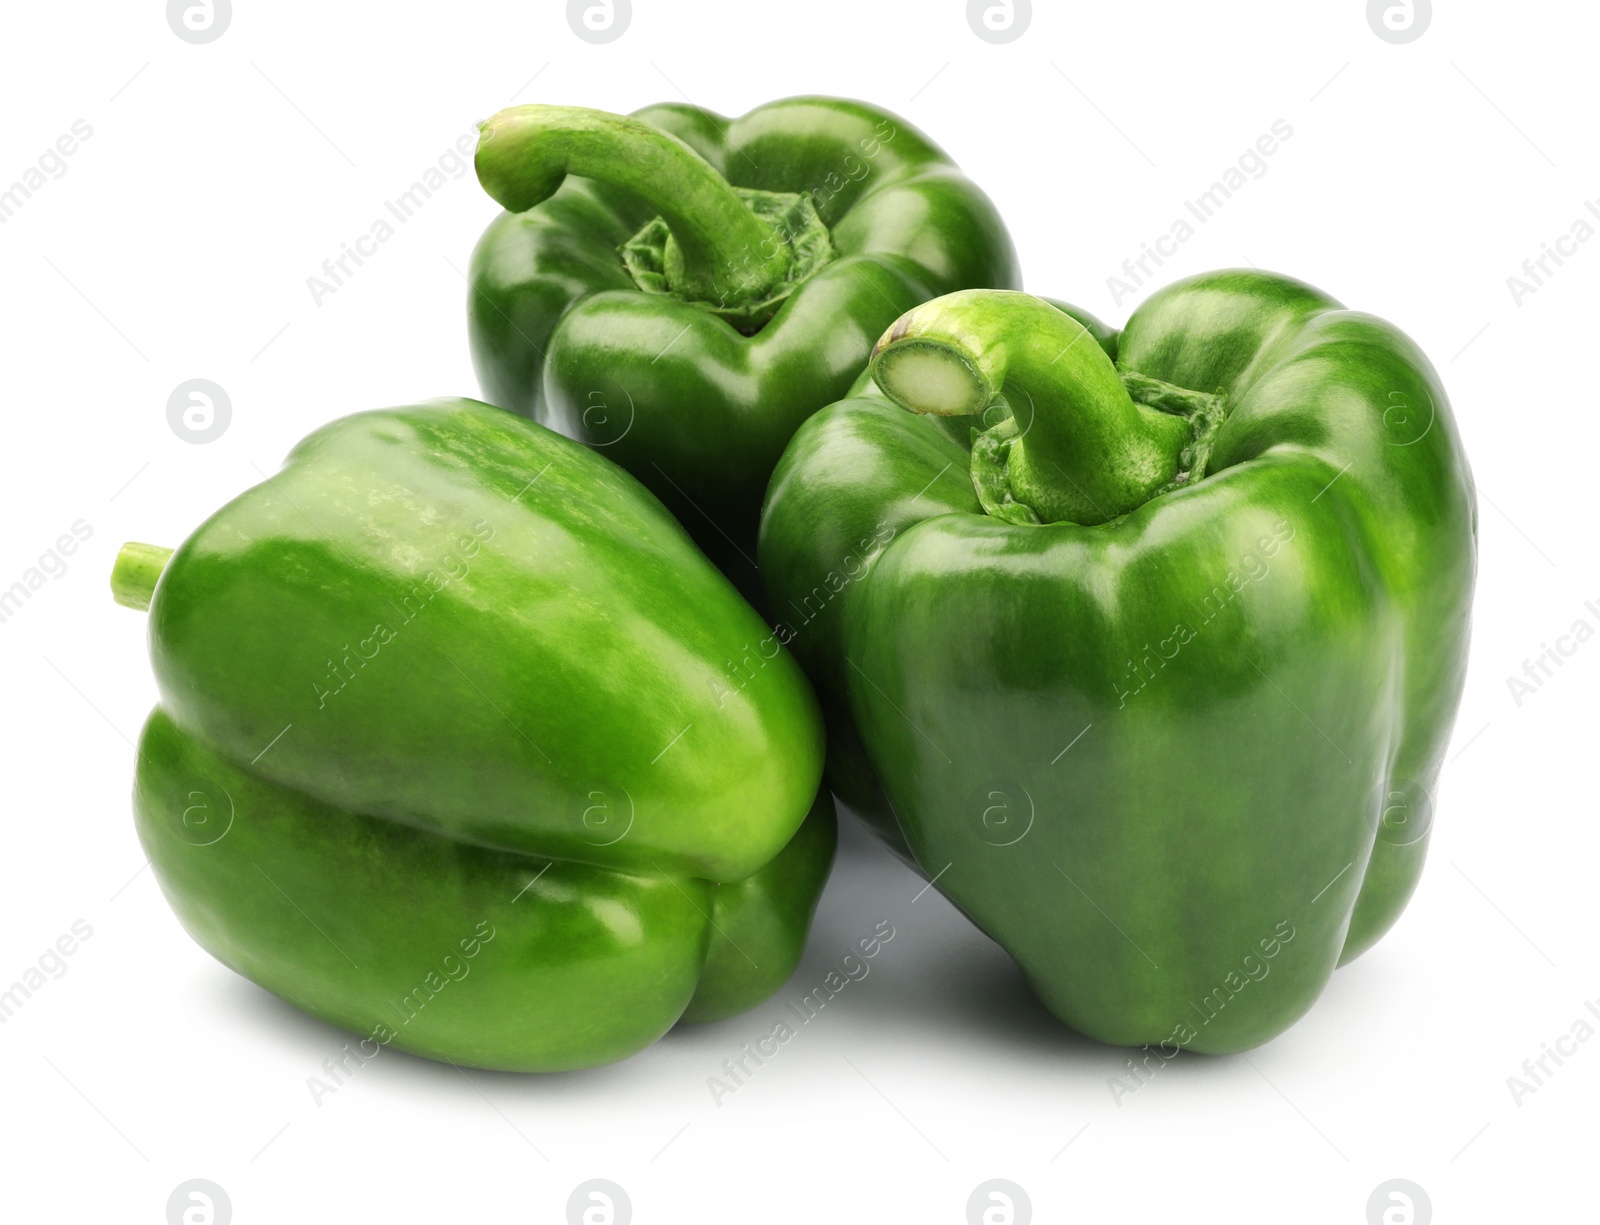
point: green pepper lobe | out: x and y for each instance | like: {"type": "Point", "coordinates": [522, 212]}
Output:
{"type": "Point", "coordinates": [1155, 677]}
{"type": "Point", "coordinates": [680, 291]}
{"type": "Point", "coordinates": [461, 737]}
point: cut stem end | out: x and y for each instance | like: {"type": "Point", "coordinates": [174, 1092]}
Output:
{"type": "Point", "coordinates": [135, 573]}
{"type": "Point", "coordinates": [931, 378]}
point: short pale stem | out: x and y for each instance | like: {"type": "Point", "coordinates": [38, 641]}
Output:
{"type": "Point", "coordinates": [134, 574]}
{"type": "Point", "coordinates": [1085, 451]}
{"type": "Point", "coordinates": [730, 255]}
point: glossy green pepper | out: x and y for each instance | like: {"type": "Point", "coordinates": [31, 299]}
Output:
{"type": "Point", "coordinates": [463, 746]}
{"type": "Point", "coordinates": [1154, 672]}
{"type": "Point", "coordinates": [700, 286]}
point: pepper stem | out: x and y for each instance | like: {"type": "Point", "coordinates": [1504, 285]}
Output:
{"type": "Point", "coordinates": [1079, 448]}
{"type": "Point", "coordinates": [730, 256]}
{"type": "Point", "coordinates": [134, 574]}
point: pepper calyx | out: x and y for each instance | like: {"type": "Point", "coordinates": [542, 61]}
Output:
{"type": "Point", "coordinates": [992, 447]}
{"type": "Point", "coordinates": [656, 263]}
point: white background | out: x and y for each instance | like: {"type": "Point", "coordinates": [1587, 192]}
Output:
{"type": "Point", "coordinates": [178, 244]}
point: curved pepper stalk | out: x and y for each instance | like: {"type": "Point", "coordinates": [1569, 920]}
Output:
{"type": "Point", "coordinates": [1077, 447]}
{"type": "Point", "coordinates": [725, 251]}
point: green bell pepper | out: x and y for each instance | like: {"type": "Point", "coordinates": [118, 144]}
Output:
{"type": "Point", "coordinates": [463, 746]}
{"type": "Point", "coordinates": [700, 286]}
{"type": "Point", "coordinates": [1154, 672]}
